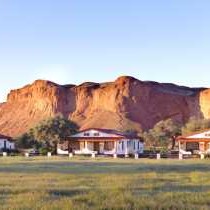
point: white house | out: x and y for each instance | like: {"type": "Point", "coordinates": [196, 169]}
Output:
{"type": "Point", "coordinates": [102, 141]}
{"type": "Point", "coordinates": [6, 143]}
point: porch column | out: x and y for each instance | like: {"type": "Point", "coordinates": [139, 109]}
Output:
{"type": "Point", "coordinates": [208, 146]}
{"type": "Point", "coordinates": [202, 146]}
{"type": "Point", "coordinates": [179, 146]}
{"type": "Point", "coordinates": [86, 145]}
{"type": "Point", "coordinates": [182, 145]}
{"type": "Point", "coordinates": [115, 147]}
{"type": "Point", "coordinates": [68, 146]}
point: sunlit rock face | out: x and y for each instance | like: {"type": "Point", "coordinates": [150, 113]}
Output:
{"type": "Point", "coordinates": [122, 104]}
{"type": "Point", "coordinates": [205, 103]}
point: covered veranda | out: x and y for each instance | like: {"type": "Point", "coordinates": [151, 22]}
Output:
{"type": "Point", "coordinates": [90, 146]}
{"type": "Point", "coordinates": [194, 145]}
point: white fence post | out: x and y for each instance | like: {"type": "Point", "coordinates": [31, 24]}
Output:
{"type": "Point", "coordinates": [4, 154]}
{"type": "Point", "coordinates": [70, 155]}
{"type": "Point", "coordinates": [49, 154]}
{"type": "Point", "coordinates": [158, 156]}
{"type": "Point", "coordinates": [93, 155]}
{"type": "Point", "coordinates": [126, 156]}
{"type": "Point", "coordinates": [136, 156]}
{"type": "Point", "coordinates": [180, 156]}
{"type": "Point", "coordinates": [26, 154]}
{"type": "Point", "coordinates": [114, 155]}
{"type": "Point", "coordinates": [202, 156]}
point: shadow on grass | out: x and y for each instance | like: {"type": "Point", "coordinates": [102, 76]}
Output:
{"type": "Point", "coordinates": [102, 167]}
{"type": "Point", "coordinates": [184, 188]}
{"type": "Point", "coordinates": [11, 192]}
{"type": "Point", "coordinates": [67, 193]}
{"type": "Point", "coordinates": [171, 189]}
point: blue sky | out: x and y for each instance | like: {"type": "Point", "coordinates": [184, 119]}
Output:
{"type": "Point", "coordinates": [72, 41]}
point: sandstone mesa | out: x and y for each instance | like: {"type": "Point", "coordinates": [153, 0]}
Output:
{"type": "Point", "coordinates": [122, 104]}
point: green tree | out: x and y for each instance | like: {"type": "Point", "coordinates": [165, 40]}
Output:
{"type": "Point", "coordinates": [25, 141]}
{"type": "Point", "coordinates": [47, 134]}
{"type": "Point", "coordinates": [54, 130]}
{"type": "Point", "coordinates": [132, 132]}
{"type": "Point", "coordinates": [162, 134]}
{"type": "Point", "coordinates": [195, 125]}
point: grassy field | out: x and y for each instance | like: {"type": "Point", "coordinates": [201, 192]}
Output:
{"type": "Point", "coordinates": [83, 183]}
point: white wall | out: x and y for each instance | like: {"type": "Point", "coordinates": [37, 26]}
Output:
{"type": "Point", "coordinates": [9, 145]}
{"type": "Point", "coordinates": [129, 146]}
{"type": "Point", "coordinates": [91, 133]}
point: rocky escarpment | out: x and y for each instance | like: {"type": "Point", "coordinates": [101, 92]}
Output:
{"type": "Point", "coordinates": [122, 104]}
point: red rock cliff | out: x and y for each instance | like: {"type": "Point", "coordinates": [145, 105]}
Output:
{"type": "Point", "coordinates": [125, 103]}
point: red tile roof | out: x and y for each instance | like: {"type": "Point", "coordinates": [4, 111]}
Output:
{"type": "Point", "coordinates": [195, 133]}
{"type": "Point", "coordinates": [5, 137]}
{"type": "Point", "coordinates": [187, 137]}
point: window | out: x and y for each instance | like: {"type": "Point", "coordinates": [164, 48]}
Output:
{"type": "Point", "coordinates": [96, 134]}
{"type": "Point", "coordinates": [190, 146]}
{"type": "Point", "coordinates": [109, 146]}
{"type": "Point", "coordinates": [86, 134]}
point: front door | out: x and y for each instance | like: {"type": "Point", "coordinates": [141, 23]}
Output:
{"type": "Point", "coordinates": [96, 147]}
{"type": "Point", "coordinates": [101, 150]}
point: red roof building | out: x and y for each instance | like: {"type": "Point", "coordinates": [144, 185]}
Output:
{"type": "Point", "coordinates": [195, 143]}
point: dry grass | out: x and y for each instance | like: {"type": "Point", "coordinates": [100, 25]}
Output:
{"type": "Point", "coordinates": [83, 183]}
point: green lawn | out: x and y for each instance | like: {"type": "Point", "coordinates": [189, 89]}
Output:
{"type": "Point", "coordinates": [83, 183]}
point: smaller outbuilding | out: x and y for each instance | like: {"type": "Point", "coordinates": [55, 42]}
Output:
{"type": "Point", "coordinates": [196, 143]}
{"type": "Point", "coordinates": [6, 143]}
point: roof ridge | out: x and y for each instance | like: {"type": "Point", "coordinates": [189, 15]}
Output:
{"type": "Point", "coordinates": [4, 136]}
{"type": "Point", "coordinates": [196, 132]}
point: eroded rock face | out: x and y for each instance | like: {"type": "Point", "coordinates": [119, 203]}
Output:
{"type": "Point", "coordinates": [205, 103]}
{"type": "Point", "coordinates": [122, 104]}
